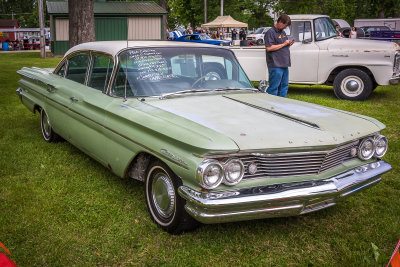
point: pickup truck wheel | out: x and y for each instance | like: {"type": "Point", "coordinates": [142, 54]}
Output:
{"type": "Point", "coordinates": [47, 131]}
{"type": "Point", "coordinates": [352, 84]}
{"type": "Point", "coordinates": [164, 204]}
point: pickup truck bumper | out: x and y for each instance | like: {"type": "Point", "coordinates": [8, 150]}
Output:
{"type": "Point", "coordinates": [280, 200]}
{"type": "Point", "coordinates": [395, 79]}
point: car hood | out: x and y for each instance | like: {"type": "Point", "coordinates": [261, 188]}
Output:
{"type": "Point", "coordinates": [257, 121]}
{"type": "Point", "coordinates": [361, 45]}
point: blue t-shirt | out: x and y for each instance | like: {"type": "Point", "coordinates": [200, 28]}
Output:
{"type": "Point", "coordinates": [279, 58]}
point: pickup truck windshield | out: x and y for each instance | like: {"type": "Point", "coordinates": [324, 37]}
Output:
{"type": "Point", "coordinates": [160, 71]}
{"type": "Point", "coordinates": [324, 29]}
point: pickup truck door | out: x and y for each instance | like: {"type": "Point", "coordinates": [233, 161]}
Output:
{"type": "Point", "coordinates": [304, 53]}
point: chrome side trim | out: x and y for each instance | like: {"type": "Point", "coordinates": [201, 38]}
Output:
{"type": "Point", "coordinates": [111, 130]}
{"type": "Point", "coordinates": [280, 199]}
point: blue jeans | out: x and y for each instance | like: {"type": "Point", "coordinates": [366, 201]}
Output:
{"type": "Point", "coordinates": [278, 81]}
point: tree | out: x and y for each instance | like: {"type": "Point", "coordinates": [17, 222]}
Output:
{"type": "Point", "coordinates": [81, 21]}
{"type": "Point", "coordinates": [163, 4]}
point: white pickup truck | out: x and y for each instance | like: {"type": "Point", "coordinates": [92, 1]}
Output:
{"type": "Point", "coordinates": [354, 67]}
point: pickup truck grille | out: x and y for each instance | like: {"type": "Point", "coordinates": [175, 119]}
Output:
{"type": "Point", "coordinates": [295, 164]}
{"type": "Point", "coordinates": [396, 67]}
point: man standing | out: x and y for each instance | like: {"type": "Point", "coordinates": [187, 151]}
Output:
{"type": "Point", "coordinates": [278, 56]}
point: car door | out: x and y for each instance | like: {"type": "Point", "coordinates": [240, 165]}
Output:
{"type": "Point", "coordinates": [304, 53]}
{"type": "Point", "coordinates": [88, 76]}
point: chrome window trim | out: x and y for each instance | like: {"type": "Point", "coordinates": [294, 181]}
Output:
{"type": "Point", "coordinates": [89, 51]}
{"type": "Point", "coordinates": [94, 53]}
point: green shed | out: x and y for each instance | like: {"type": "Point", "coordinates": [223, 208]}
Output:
{"type": "Point", "coordinates": [113, 21]}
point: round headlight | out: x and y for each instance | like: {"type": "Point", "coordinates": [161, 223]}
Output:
{"type": "Point", "coordinates": [210, 174]}
{"type": "Point", "coordinates": [381, 145]}
{"type": "Point", "coordinates": [366, 149]}
{"type": "Point", "coordinates": [234, 171]}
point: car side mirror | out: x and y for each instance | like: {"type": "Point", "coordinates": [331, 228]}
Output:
{"type": "Point", "coordinates": [262, 86]}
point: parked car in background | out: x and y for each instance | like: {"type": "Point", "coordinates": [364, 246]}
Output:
{"type": "Point", "coordinates": [202, 38]}
{"type": "Point", "coordinates": [257, 38]}
{"type": "Point", "coordinates": [366, 30]}
{"type": "Point", "coordinates": [341, 23]}
{"type": "Point", "coordinates": [186, 120]}
{"type": "Point", "coordinates": [355, 67]}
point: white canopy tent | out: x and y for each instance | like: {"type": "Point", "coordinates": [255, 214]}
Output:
{"type": "Point", "coordinates": [225, 22]}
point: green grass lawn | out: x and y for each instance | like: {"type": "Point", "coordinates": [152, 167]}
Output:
{"type": "Point", "coordinates": [60, 207]}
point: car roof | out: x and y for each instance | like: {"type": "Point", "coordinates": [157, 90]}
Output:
{"type": "Point", "coordinates": [306, 16]}
{"type": "Point", "coordinates": [113, 47]}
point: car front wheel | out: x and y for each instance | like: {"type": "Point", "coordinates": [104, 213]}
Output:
{"type": "Point", "coordinates": [259, 42]}
{"type": "Point", "coordinates": [164, 204]}
{"type": "Point", "coordinates": [47, 131]}
{"type": "Point", "coordinates": [352, 84]}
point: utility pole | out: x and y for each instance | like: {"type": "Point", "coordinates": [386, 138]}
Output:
{"type": "Point", "coordinates": [205, 11]}
{"type": "Point", "coordinates": [222, 7]}
{"type": "Point", "coordinates": [41, 24]}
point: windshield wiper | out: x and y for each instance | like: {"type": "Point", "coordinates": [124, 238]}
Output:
{"type": "Point", "coordinates": [235, 89]}
{"type": "Point", "coordinates": [184, 92]}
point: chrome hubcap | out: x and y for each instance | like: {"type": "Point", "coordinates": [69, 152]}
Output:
{"type": "Point", "coordinates": [46, 125]}
{"type": "Point", "coordinates": [163, 194]}
{"type": "Point", "coordinates": [352, 86]}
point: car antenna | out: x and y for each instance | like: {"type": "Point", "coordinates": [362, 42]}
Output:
{"type": "Point", "coordinates": [126, 69]}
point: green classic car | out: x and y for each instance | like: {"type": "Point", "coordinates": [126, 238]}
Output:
{"type": "Point", "coordinates": [209, 147]}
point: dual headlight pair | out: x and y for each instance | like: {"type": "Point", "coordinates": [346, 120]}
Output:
{"type": "Point", "coordinates": [372, 146]}
{"type": "Point", "coordinates": [211, 173]}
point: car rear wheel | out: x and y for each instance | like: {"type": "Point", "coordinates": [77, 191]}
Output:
{"type": "Point", "coordinates": [47, 131]}
{"type": "Point", "coordinates": [352, 84]}
{"type": "Point", "coordinates": [165, 205]}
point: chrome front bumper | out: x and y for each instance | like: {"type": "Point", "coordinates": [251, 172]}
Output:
{"type": "Point", "coordinates": [395, 79]}
{"type": "Point", "coordinates": [282, 199]}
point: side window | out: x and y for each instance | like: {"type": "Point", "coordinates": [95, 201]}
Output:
{"type": "Point", "coordinates": [61, 71]}
{"type": "Point", "coordinates": [100, 72]}
{"type": "Point", "coordinates": [77, 66]}
{"type": "Point", "coordinates": [299, 31]}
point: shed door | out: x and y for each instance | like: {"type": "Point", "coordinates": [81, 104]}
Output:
{"type": "Point", "coordinates": [108, 29]}
{"type": "Point", "coordinates": [144, 28]}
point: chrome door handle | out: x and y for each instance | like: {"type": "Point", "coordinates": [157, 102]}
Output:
{"type": "Point", "coordinates": [73, 99]}
{"type": "Point", "coordinates": [50, 88]}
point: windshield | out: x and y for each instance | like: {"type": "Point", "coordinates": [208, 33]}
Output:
{"type": "Point", "coordinates": [259, 30]}
{"type": "Point", "coordinates": [159, 71]}
{"type": "Point", "coordinates": [324, 29]}
{"type": "Point", "coordinates": [205, 37]}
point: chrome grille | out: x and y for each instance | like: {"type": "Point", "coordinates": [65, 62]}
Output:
{"type": "Point", "coordinates": [396, 67]}
{"type": "Point", "coordinates": [294, 164]}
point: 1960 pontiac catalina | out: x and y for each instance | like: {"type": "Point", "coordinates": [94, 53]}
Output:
{"type": "Point", "coordinates": [210, 148]}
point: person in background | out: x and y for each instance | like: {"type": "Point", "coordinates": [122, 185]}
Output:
{"type": "Point", "coordinates": [278, 56]}
{"type": "Point", "coordinates": [234, 33]}
{"type": "Point", "coordinates": [338, 31]}
{"type": "Point", "coordinates": [353, 33]}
